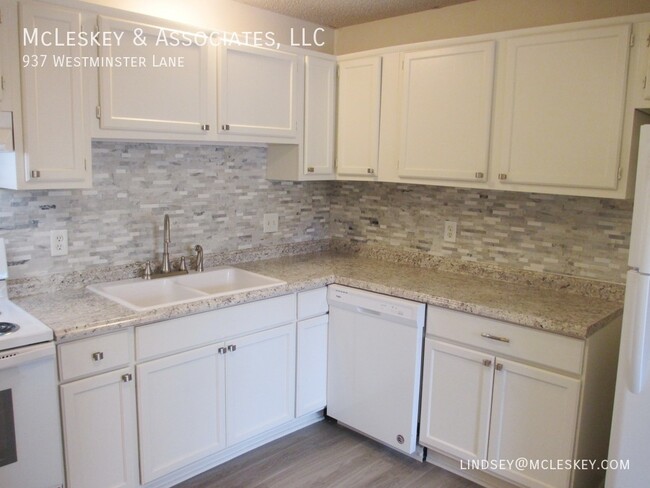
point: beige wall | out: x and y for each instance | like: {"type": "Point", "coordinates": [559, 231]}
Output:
{"type": "Point", "coordinates": [225, 15]}
{"type": "Point", "coordinates": [478, 17]}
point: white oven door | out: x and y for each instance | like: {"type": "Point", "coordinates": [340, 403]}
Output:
{"type": "Point", "coordinates": [31, 454]}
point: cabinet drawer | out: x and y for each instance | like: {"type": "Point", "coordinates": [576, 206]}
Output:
{"type": "Point", "coordinates": [545, 348]}
{"type": "Point", "coordinates": [312, 303]}
{"type": "Point", "coordinates": [95, 355]}
{"type": "Point", "coordinates": [205, 328]}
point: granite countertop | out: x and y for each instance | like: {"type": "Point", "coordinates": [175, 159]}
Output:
{"type": "Point", "coordinates": [78, 313]}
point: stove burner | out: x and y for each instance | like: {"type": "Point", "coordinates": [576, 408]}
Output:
{"type": "Point", "coordinates": [8, 328]}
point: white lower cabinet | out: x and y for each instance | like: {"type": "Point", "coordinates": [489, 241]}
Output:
{"type": "Point", "coordinates": [456, 420]}
{"type": "Point", "coordinates": [100, 432]}
{"type": "Point", "coordinates": [497, 392]}
{"type": "Point", "coordinates": [181, 409]}
{"type": "Point", "coordinates": [260, 382]}
{"type": "Point", "coordinates": [311, 369]}
{"type": "Point", "coordinates": [534, 415]}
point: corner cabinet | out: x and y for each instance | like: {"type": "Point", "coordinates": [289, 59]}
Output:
{"type": "Point", "coordinates": [561, 107]}
{"type": "Point", "coordinates": [55, 127]}
{"type": "Point", "coordinates": [151, 91]}
{"type": "Point", "coordinates": [446, 112]}
{"type": "Point", "coordinates": [313, 157]}
{"type": "Point", "coordinates": [497, 391]}
{"type": "Point", "coordinates": [359, 107]}
{"type": "Point", "coordinates": [259, 92]}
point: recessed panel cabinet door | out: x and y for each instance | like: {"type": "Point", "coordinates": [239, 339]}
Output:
{"type": "Point", "coordinates": [320, 100]}
{"type": "Point", "coordinates": [561, 108]}
{"type": "Point", "coordinates": [446, 112]}
{"type": "Point", "coordinates": [56, 136]}
{"type": "Point", "coordinates": [534, 414]}
{"type": "Point", "coordinates": [358, 117]}
{"type": "Point", "coordinates": [311, 365]}
{"type": "Point", "coordinates": [259, 91]}
{"type": "Point", "coordinates": [154, 92]}
{"type": "Point", "coordinates": [456, 398]}
{"type": "Point", "coordinates": [100, 431]}
{"type": "Point", "coordinates": [260, 382]}
{"type": "Point", "coordinates": [181, 409]}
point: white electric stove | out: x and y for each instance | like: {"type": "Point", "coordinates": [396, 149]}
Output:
{"type": "Point", "coordinates": [31, 451]}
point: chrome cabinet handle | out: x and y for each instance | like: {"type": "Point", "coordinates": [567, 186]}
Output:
{"type": "Point", "coordinates": [222, 350]}
{"type": "Point", "coordinates": [126, 378]}
{"type": "Point", "coordinates": [495, 338]}
{"type": "Point", "coordinates": [479, 175]}
{"type": "Point", "coordinates": [232, 348]}
{"type": "Point", "coordinates": [98, 356]}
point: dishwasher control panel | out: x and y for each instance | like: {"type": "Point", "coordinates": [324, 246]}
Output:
{"type": "Point", "coordinates": [375, 303]}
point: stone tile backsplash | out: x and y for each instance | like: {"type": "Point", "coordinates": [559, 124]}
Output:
{"type": "Point", "coordinates": [585, 237]}
{"type": "Point", "coordinates": [215, 196]}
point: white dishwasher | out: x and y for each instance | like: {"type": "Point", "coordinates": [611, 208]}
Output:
{"type": "Point", "coordinates": [374, 363]}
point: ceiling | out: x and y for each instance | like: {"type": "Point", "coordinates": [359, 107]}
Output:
{"type": "Point", "coordinates": [341, 13]}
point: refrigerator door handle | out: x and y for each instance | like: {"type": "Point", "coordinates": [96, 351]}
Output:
{"type": "Point", "coordinates": [638, 322]}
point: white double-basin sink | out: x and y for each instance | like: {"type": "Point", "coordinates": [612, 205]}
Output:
{"type": "Point", "coordinates": [140, 295]}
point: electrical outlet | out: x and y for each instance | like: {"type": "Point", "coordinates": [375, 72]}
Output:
{"type": "Point", "coordinates": [59, 242]}
{"type": "Point", "coordinates": [270, 222]}
{"type": "Point", "coordinates": [450, 231]}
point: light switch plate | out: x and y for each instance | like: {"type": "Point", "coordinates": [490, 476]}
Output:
{"type": "Point", "coordinates": [270, 222]}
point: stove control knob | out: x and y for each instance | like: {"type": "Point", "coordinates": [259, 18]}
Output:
{"type": "Point", "coordinates": [98, 356]}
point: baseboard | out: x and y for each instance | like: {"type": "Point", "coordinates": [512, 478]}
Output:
{"type": "Point", "coordinates": [221, 457]}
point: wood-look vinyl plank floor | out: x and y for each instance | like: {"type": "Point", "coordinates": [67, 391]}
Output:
{"type": "Point", "coordinates": [325, 455]}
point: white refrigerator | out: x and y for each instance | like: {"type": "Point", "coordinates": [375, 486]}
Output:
{"type": "Point", "coordinates": [630, 436]}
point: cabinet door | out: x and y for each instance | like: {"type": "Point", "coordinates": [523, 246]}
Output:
{"type": "Point", "coordinates": [446, 112]}
{"type": "Point", "coordinates": [260, 382]}
{"type": "Point", "coordinates": [358, 117]}
{"type": "Point", "coordinates": [534, 416]}
{"type": "Point", "coordinates": [259, 91]}
{"type": "Point", "coordinates": [311, 365]}
{"type": "Point", "coordinates": [99, 426]}
{"type": "Point", "coordinates": [562, 108]}
{"type": "Point", "coordinates": [156, 94]}
{"type": "Point", "coordinates": [56, 136]}
{"type": "Point", "coordinates": [320, 99]}
{"type": "Point", "coordinates": [456, 397]}
{"type": "Point", "coordinates": [181, 409]}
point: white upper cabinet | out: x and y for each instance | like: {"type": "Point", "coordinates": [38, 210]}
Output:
{"type": "Point", "coordinates": [259, 92]}
{"type": "Point", "coordinates": [561, 109]}
{"type": "Point", "coordinates": [320, 99]}
{"type": "Point", "coordinates": [170, 89]}
{"type": "Point", "coordinates": [446, 114]}
{"type": "Point", "coordinates": [55, 130]}
{"type": "Point", "coordinates": [358, 117]}
{"type": "Point", "coordinates": [313, 157]}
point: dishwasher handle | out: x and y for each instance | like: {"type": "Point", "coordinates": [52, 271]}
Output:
{"type": "Point", "coordinates": [369, 311]}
